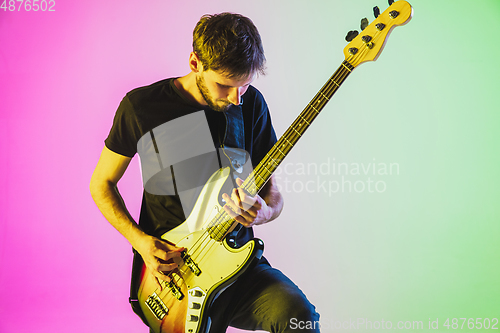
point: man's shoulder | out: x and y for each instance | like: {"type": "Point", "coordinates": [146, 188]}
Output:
{"type": "Point", "coordinates": [253, 93]}
{"type": "Point", "coordinates": [155, 89]}
{"type": "Point", "coordinates": [254, 102]}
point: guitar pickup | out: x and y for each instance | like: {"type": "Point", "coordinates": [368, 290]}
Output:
{"type": "Point", "coordinates": [157, 307]}
{"type": "Point", "coordinates": [190, 263]}
{"type": "Point", "coordinates": [176, 291]}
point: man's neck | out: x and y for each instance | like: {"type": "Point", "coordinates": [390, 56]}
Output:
{"type": "Point", "coordinates": [188, 88]}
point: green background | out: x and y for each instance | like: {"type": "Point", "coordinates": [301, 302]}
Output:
{"type": "Point", "coordinates": [428, 246]}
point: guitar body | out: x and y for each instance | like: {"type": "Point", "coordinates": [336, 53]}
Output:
{"type": "Point", "coordinates": [211, 266]}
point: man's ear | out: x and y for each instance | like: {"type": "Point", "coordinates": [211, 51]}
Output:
{"type": "Point", "coordinates": [195, 63]}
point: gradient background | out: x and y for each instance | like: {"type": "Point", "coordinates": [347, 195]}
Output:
{"type": "Point", "coordinates": [427, 247]}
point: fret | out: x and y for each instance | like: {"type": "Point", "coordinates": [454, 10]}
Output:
{"type": "Point", "coordinates": [314, 108]}
{"type": "Point", "coordinates": [346, 68]}
{"type": "Point", "coordinates": [308, 123]}
{"type": "Point", "coordinates": [282, 153]}
{"type": "Point", "coordinates": [291, 144]}
{"type": "Point", "coordinates": [260, 176]}
{"type": "Point", "coordinates": [335, 82]}
{"type": "Point", "coordinates": [324, 95]}
{"type": "Point", "coordinates": [295, 131]}
{"type": "Point", "coordinates": [270, 172]}
{"type": "Point", "coordinates": [272, 161]}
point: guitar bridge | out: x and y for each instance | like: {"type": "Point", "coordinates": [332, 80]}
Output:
{"type": "Point", "coordinates": [157, 307]}
{"type": "Point", "coordinates": [190, 263]}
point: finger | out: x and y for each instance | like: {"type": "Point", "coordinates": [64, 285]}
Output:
{"type": "Point", "coordinates": [162, 270]}
{"type": "Point", "coordinates": [159, 276]}
{"type": "Point", "coordinates": [239, 181]}
{"type": "Point", "coordinates": [159, 265]}
{"type": "Point", "coordinates": [173, 254]}
{"type": "Point", "coordinates": [243, 204]}
{"type": "Point", "coordinates": [235, 197]}
{"type": "Point", "coordinates": [157, 282]}
{"type": "Point", "coordinates": [162, 256]}
{"type": "Point", "coordinates": [248, 202]}
{"type": "Point", "coordinates": [168, 242]}
{"type": "Point", "coordinates": [167, 267]}
{"type": "Point", "coordinates": [166, 254]}
{"type": "Point", "coordinates": [246, 199]}
{"type": "Point", "coordinates": [245, 217]}
{"type": "Point", "coordinates": [236, 217]}
{"type": "Point", "coordinates": [169, 246]}
{"type": "Point", "coordinates": [242, 201]}
{"type": "Point", "coordinates": [231, 204]}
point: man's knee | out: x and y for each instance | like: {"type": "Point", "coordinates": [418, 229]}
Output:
{"type": "Point", "coordinates": [293, 311]}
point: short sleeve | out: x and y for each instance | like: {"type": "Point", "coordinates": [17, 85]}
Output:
{"type": "Point", "coordinates": [125, 132]}
{"type": "Point", "coordinates": [264, 136]}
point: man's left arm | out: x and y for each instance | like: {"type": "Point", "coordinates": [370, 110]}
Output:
{"type": "Point", "coordinates": [249, 211]}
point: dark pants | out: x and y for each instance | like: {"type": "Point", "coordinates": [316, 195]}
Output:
{"type": "Point", "coordinates": [263, 299]}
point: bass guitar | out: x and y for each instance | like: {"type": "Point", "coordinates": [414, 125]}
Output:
{"type": "Point", "coordinates": [209, 264]}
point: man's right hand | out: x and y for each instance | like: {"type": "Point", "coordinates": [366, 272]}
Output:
{"type": "Point", "coordinates": [159, 256]}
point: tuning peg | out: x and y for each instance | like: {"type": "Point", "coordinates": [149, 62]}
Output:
{"type": "Point", "coordinates": [391, 2]}
{"type": "Point", "coordinates": [376, 11]}
{"type": "Point", "coordinates": [351, 35]}
{"type": "Point", "coordinates": [364, 23]}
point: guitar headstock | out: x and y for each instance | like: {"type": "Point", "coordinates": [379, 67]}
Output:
{"type": "Point", "coordinates": [368, 45]}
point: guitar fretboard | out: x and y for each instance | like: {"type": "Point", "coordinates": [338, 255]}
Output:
{"type": "Point", "coordinates": [222, 223]}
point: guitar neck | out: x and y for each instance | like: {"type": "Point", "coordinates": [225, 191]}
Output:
{"type": "Point", "coordinates": [261, 174]}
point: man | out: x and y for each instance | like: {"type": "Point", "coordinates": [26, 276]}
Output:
{"type": "Point", "coordinates": [227, 56]}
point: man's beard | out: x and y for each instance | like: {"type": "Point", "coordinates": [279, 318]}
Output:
{"type": "Point", "coordinates": [200, 82]}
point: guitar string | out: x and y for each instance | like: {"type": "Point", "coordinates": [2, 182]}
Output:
{"type": "Point", "coordinates": [308, 115]}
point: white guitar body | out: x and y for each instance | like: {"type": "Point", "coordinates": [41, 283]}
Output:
{"type": "Point", "coordinates": [182, 307]}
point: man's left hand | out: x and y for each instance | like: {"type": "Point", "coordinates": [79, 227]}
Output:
{"type": "Point", "coordinates": [245, 209]}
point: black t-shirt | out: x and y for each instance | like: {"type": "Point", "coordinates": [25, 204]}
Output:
{"type": "Point", "coordinates": [145, 110]}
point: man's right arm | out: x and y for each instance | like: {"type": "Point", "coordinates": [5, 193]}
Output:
{"type": "Point", "coordinates": [156, 253]}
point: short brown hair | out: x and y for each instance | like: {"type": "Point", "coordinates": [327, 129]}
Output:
{"type": "Point", "coordinates": [230, 44]}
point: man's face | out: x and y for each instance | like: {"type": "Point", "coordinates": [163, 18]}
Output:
{"type": "Point", "coordinates": [219, 91]}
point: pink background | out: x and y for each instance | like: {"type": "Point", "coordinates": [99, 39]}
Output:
{"type": "Point", "coordinates": [63, 73]}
